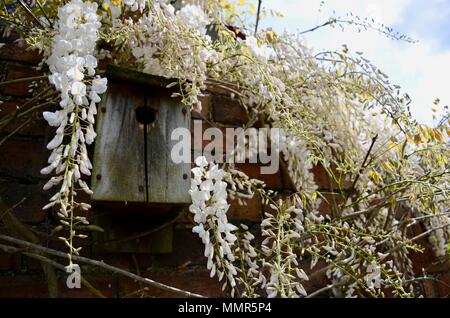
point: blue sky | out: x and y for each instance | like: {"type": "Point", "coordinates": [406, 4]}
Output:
{"type": "Point", "coordinates": [421, 69]}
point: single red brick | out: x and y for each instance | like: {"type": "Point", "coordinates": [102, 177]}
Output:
{"type": "Point", "coordinates": [288, 184]}
{"type": "Point", "coordinates": [121, 260]}
{"type": "Point", "coordinates": [325, 181]}
{"type": "Point", "coordinates": [427, 261]}
{"type": "Point", "coordinates": [421, 261]}
{"type": "Point", "coordinates": [317, 280]}
{"type": "Point", "coordinates": [37, 127]}
{"type": "Point", "coordinates": [228, 110]}
{"type": "Point", "coordinates": [30, 211]}
{"type": "Point", "coordinates": [429, 289]}
{"type": "Point", "coordinates": [330, 203]}
{"type": "Point", "coordinates": [8, 106]}
{"type": "Point", "coordinates": [14, 52]}
{"type": "Point", "coordinates": [444, 285]}
{"type": "Point", "coordinates": [18, 72]}
{"type": "Point", "coordinates": [442, 265]}
{"type": "Point", "coordinates": [252, 211]}
{"type": "Point", "coordinates": [23, 158]}
{"type": "Point", "coordinates": [321, 177]}
{"type": "Point", "coordinates": [6, 262]}
{"type": "Point", "coordinates": [253, 170]}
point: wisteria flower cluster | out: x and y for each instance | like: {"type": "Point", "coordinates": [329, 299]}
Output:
{"type": "Point", "coordinates": [210, 206]}
{"type": "Point", "coordinates": [294, 231]}
{"type": "Point", "coordinates": [73, 67]}
{"type": "Point", "coordinates": [260, 52]}
{"type": "Point", "coordinates": [162, 38]}
{"type": "Point", "coordinates": [279, 230]}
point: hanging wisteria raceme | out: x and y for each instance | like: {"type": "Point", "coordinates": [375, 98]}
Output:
{"type": "Point", "coordinates": [72, 64]}
{"type": "Point", "coordinates": [210, 206]}
{"type": "Point", "coordinates": [279, 230]}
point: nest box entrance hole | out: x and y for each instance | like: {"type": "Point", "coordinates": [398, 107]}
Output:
{"type": "Point", "coordinates": [146, 117]}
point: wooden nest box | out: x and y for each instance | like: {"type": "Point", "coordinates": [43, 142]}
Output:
{"type": "Point", "coordinates": [132, 162]}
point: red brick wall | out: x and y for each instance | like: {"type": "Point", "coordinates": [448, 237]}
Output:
{"type": "Point", "coordinates": [22, 157]}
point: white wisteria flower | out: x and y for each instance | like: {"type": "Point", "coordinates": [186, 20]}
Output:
{"type": "Point", "coordinates": [193, 17]}
{"type": "Point", "coordinates": [209, 206]}
{"type": "Point", "coordinates": [72, 64]}
{"type": "Point", "coordinates": [261, 52]}
{"type": "Point", "coordinates": [136, 5]}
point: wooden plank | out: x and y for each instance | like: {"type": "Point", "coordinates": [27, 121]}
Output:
{"type": "Point", "coordinates": [127, 75]}
{"type": "Point", "coordinates": [178, 175]}
{"type": "Point", "coordinates": [119, 171]}
{"type": "Point", "coordinates": [168, 182]}
{"type": "Point", "coordinates": [130, 76]}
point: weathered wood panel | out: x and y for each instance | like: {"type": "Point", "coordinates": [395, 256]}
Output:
{"type": "Point", "coordinates": [119, 170]}
{"type": "Point", "coordinates": [167, 181]}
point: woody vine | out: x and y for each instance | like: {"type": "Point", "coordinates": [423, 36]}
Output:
{"type": "Point", "coordinates": [338, 110]}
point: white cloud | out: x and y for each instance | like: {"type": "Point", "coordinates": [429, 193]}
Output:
{"type": "Point", "coordinates": [421, 69]}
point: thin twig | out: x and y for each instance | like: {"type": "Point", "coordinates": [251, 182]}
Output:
{"type": "Point", "coordinates": [329, 22]}
{"type": "Point", "coordinates": [100, 264]}
{"type": "Point", "coordinates": [258, 16]}
{"type": "Point", "coordinates": [44, 13]}
{"type": "Point", "coordinates": [38, 107]}
{"type": "Point", "coordinates": [22, 80]}
{"type": "Point", "coordinates": [25, 7]}
{"type": "Point", "coordinates": [14, 250]}
{"type": "Point", "coordinates": [139, 291]}
{"type": "Point", "coordinates": [11, 208]}
{"type": "Point", "coordinates": [15, 131]}
{"type": "Point", "coordinates": [324, 289]}
{"type": "Point", "coordinates": [415, 238]}
{"type": "Point", "coordinates": [5, 122]}
{"type": "Point", "coordinates": [418, 279]}
{"type": "Point", "coordinates": [363, 165]}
